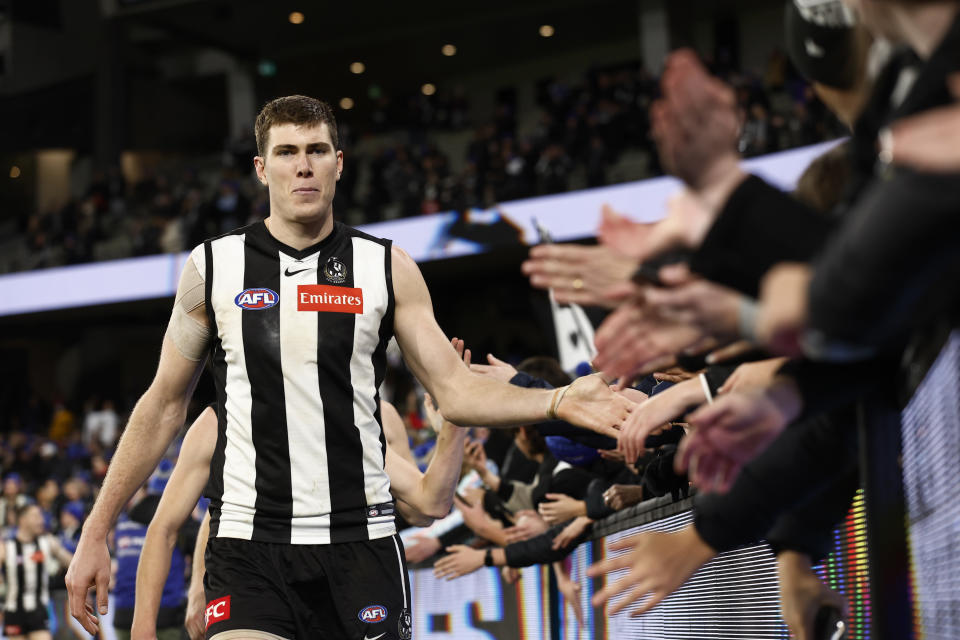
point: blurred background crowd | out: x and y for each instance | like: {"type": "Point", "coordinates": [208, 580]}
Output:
{"type": "Point", "coordinates": [587, 132]}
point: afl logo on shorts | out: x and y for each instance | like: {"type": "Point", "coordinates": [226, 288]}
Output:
{"type": "Point", "coordinates": [256, 299]}
{"type": "Point", "coordinates": [373, 614]}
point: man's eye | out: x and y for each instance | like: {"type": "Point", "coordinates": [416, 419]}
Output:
{"type": "Point", "coordinates": [284, 152]}
{"type": "Point", "coordinates": [320, 151]}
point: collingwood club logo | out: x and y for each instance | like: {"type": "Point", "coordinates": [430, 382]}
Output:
{"type": "Point", "coordinates": [335, 271]}
{"type": "Point", "coordinates": [405, 625]}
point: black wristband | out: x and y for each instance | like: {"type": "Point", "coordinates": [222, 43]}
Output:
{"type": "Point", "coordinates": [488, 558]}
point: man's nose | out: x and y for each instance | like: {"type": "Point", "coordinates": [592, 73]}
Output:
{"type": "Point", "coordinates": [304, 170]}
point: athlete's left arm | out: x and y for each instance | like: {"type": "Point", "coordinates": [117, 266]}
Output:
{"type": "Point", "coordinates": [468, 398]}
{"type": "Point", "coordinates": [395, 431]}
{"type": "Point", "coordinates": [179, 498]}
{"type": "Point", "coordinates": [430, 493]}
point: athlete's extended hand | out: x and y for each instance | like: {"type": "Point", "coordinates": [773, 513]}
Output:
{"type": "Point", "coordinates": [460, 561]}
{"type": "Point", "coordinates": [658, 564]}
{"type": "Point", "coordinates": [591, 404]}
{"type": "Point", "coordinates": [196, 610]}
{"type": "Point", "coordinates": [89, 569]}
{"type": "Point", "coordinates": [591, 276]}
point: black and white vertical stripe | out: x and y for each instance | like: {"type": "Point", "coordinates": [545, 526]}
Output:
{"type": "Point", "coordinates": [300, 454]}
{"type": "Point", "coordinates": [27, 575]}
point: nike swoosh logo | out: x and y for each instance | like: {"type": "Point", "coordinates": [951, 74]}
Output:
{"type": "Point", "coordinates": [287, 271]}
{"type": "Point", "coordinates": [366, 637]}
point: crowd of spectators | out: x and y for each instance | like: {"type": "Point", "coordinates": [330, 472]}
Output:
{"type": "Point", "coordinates": [579, 132]}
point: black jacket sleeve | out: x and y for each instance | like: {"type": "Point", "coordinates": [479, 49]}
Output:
{"type": "Point", "coordinates": [597, 508]}
{"type": "Point", "coordinates": [804, 460]}
{"type": "Point", "coordinates": [825, 386]}
{"type": "Point", "coordinates": [457, 535]}
{"type": "Point", "coordinates": [758, 227]}
{"type": "Point", "coordinates": [809, 527]}
{"type": "Point", "coordinates": [893, 265]}
{"type": "Point", "coordinates": [527, 381]}
{"type": "Point", "coordinates": [539, 550]}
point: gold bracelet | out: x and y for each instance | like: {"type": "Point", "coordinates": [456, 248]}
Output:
{"type": "Point", "coordinates": [555, 401]}
{"type": "Point", "coordinates": [552, 411]}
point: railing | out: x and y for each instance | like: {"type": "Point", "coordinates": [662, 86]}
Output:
{"type": "Point", "coordinates": [733, 596]}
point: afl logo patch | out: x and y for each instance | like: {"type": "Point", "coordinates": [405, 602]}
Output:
{"type": "Point", "coordinates": [373, 614]}
{"type": "Point", "coordinates": [256, 299]}
{"type": "Point", "coordinates": [335, 271]}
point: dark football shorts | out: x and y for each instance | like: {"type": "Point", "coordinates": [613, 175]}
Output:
{"type": "Point", "coordinates": [349, 590]}
{"type": "Point", "coordinates": [21, 623]}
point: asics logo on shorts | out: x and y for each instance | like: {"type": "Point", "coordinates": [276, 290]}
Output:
{"type": "Point", "coordinates": [217, 611]}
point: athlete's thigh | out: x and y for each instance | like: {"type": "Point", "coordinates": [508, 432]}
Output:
{"type": "Point", "coordinates": [246, 590]}
{"type": "Point", "coordinates": [39, 635]}
{"type": "Point", "coordinates": [247, 634]}
{"type": "Point", "coordinates": [370, 589]}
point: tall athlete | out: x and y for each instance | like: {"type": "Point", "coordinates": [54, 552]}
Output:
{"type": "Point", "coordinates": [296, 312]}
{"type": "Point", "coordinates": [28, 560]}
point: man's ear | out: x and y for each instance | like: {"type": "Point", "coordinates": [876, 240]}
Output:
{"type": "Point", "coordinates": [260, 166]}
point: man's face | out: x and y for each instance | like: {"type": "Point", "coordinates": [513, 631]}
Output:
{"type": "Point", "coordinates": [32, 521]}
{"type": "Point", "coordinates": [11, 487]}
{"type": "Point", "coordinates": [301, 169]}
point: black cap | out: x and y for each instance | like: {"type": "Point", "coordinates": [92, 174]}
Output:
{"type": "Point", "coordinates": [821, 41]}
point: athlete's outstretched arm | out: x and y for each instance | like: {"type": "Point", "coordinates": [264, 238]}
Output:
{"type": "Point", "coordinates": [468, 398]}
{"type": "Point", "coordinates": [179, 498]}
{"type": "Point", "coordinates": [196, 596]}
{"type": "Point", "coordinates": [430, 493]}
{"type": "Point", "coordinates": [154, 423]}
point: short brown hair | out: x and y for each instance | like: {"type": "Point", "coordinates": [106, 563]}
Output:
{"type": "Point", "coordinates": [545, 368]}
{"type": "Point", "coordinates": [296, 110]}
